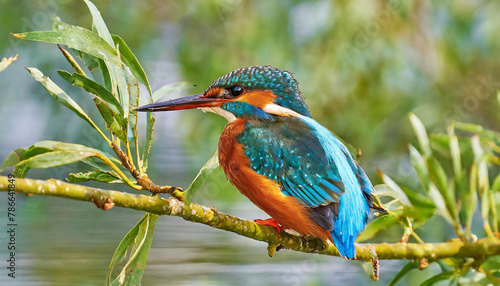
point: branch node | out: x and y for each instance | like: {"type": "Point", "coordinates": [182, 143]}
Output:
{"type": "Point", "coordinates": [272, 248]}
{"type": "Point", "coordinates": [423, 263]}
{"type": "Point", "coordinates": [104, 203]}
{"type": "Point", "coordinates": [375, 263]}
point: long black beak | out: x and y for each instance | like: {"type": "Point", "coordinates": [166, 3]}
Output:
{"type": "Point", "coordinates": [188, 102]}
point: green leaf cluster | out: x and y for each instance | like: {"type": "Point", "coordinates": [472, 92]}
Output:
{"type": "Point", "coordinates": [459, 178]}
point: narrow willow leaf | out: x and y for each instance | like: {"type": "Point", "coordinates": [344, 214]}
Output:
{"type": "Point", "coordinates": [392, 189]}
{"type": "Point", "coordinates": [72, 61]}
{"type": "Point", "coordinates": [43, 147]}
{"type": "Point", "coordinates": [421, 133]}
{"type": "Point", "coordinates": [469, 127]}
{"type": "Point", "coordinates": [418, 163]}
{"type": "Point", "coordinates": [110, 119]}
{"type": "Point", "coordinates": [89, 61]}
{"type": "Point", "coordinates": [19, 155]}
{"type": "Point", "coordinates": [122, 248]}
{"type": "Point", "coordinates": [76, 38]}
{"type": "Point", "coordinates": [202, 176]}
{"type": "Point", "coordinates": [60, 95]}
{"type": "Point", "coordinates": [437, 278]}
{"type": "Point", "coordinates": [55, 158]}
{"type": "Point", "coordinates": [131, 61]}
{"type": "Point", "coordinates": [106, 78]}
{"type": "Point", "coordinates": [470, 200]}
{"type": "Point", "coordinates": [63, 146]}
{"type": "Point", "coordinates": [383, 222]}
{"type": "Point", "coordinates": [98, 23]}
{"type": "Point", "coordinates": [99, 176]}
{"type": "Point", "coordinates": [132, 272]}
{"type": "Point", "coordinates": [94, 88]}
{"type": "Point", "coordinates": [438, 177]}
{"type": "Point", "coordinates": [495, 187]}
{"type": "Point", "coordinates": [402, 273]}
{"type": "Point", "coordinates": [119, 86]}
{"type": "Point", "coordinates": [20, 171]}
{"type": "Point", "coordinates": [5, 62]}
{"type": "Point", "coordinates": [149, 142]}
{"type": "Point", "coordinates": [133, 91]}
{"type": "Point", "coordinates": [456, 158]}
{"type": "Point", "coordinates": [440, 203]}
{"type": "Point", "coordinates": [169, 88]}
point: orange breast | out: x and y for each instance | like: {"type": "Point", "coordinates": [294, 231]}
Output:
{"type": "Point", "coordinates": [263, 192]}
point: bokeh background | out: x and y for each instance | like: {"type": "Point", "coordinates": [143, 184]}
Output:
{"type": "Point", "coordinates": [362, 65]}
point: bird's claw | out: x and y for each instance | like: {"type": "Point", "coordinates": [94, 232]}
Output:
{"type": "Point", "coordinates": [270, 222]}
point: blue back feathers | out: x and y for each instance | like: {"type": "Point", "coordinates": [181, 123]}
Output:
{"type": "Point", "coordinates": [280, 82]}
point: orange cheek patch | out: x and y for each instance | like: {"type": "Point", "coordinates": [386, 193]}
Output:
{"type": "Point", "coordinates": [214, 92]}
{"type": "Point", "coordinates": [258, 98]}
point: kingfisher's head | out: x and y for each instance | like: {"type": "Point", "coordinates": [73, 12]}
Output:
{"type": "Point", "coordinates": [257, 92]}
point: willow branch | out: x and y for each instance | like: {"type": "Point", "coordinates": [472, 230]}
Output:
{"type": "Point", "coordinates": [106, 199]}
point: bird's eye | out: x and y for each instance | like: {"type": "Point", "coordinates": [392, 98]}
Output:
{"type": "Point", "coordinates": [236, 90]}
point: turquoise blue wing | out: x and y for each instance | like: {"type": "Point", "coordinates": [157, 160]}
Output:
{"type": "Point", "coordinates": [287, 152]}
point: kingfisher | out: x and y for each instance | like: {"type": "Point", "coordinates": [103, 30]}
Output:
{"type": "Point", "coordinates": [285, 162]}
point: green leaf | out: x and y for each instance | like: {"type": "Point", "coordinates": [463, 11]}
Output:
{"type": "Point", "coordinates": [76, 38]}
{"type": "Point", "coordinates": [61, 96]}
{"type": "Point", "coordinates": [72, 61]}
{"type": "Point", "coordinates": [110, 119]}
{"type": "Point", "coordinates": [47, 154]}
{"type": "Point", "coordinates": [118, 83]}
{"type": "Point", "coordinates": [384, 221]}
{"type": "Point", "coordinates": [106, 78]}
{"type": "Point", "coordinates": [418, 163]}
{"type": "Point", "coordinates": [131, 61]}
{"type": "Point", "coordinates": [19, 155]}
{"type": "Point", "coordinates": [391, 189]}
{"type": "Point", "coordinates": [421, 133]}
{"type": "Point", "coordinates": [138, 240]}
{"type": "Point", "coordinates": [143, 163]}
{"type": "Point", "coordinates": [402, 273]}
{"type": "Point", "coordinates": [469, 127]}
{"type": "Point", "coordinates": [495, 187]}
{"type": "Point", "coordinates": [100, 176]}
{"type": "Point", "coordinates": [133, 88]}
{"type": "Point", "coordinates": [56, 158]}
{"type": "Point", "coordinates": [94, 88]}
{"type": "Point", "coordinates": [89, 61]}
{"type": "Point", "coordinates": [20, 171]}
{"type": "Point", "coordinates": [98, 23]}
{"type": "Point", "coordinates": [202, 176]}
{"type": "Point", "coordinates": [169, 88]}
{"type": "Point", "coordinates": [437, 278]}
{"type": "Point", "coordinates": [438, 177]}
{"type": "Point", "coordinates": [440, 203]}
{"type": "Point", "coordinates": [4, 63]}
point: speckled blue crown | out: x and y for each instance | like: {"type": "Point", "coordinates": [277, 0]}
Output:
{"type": "Point", "coordinates": [280, 82]}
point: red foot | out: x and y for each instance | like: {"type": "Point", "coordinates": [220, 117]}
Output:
{"type": "Point", "coordinates": [271, 222]}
